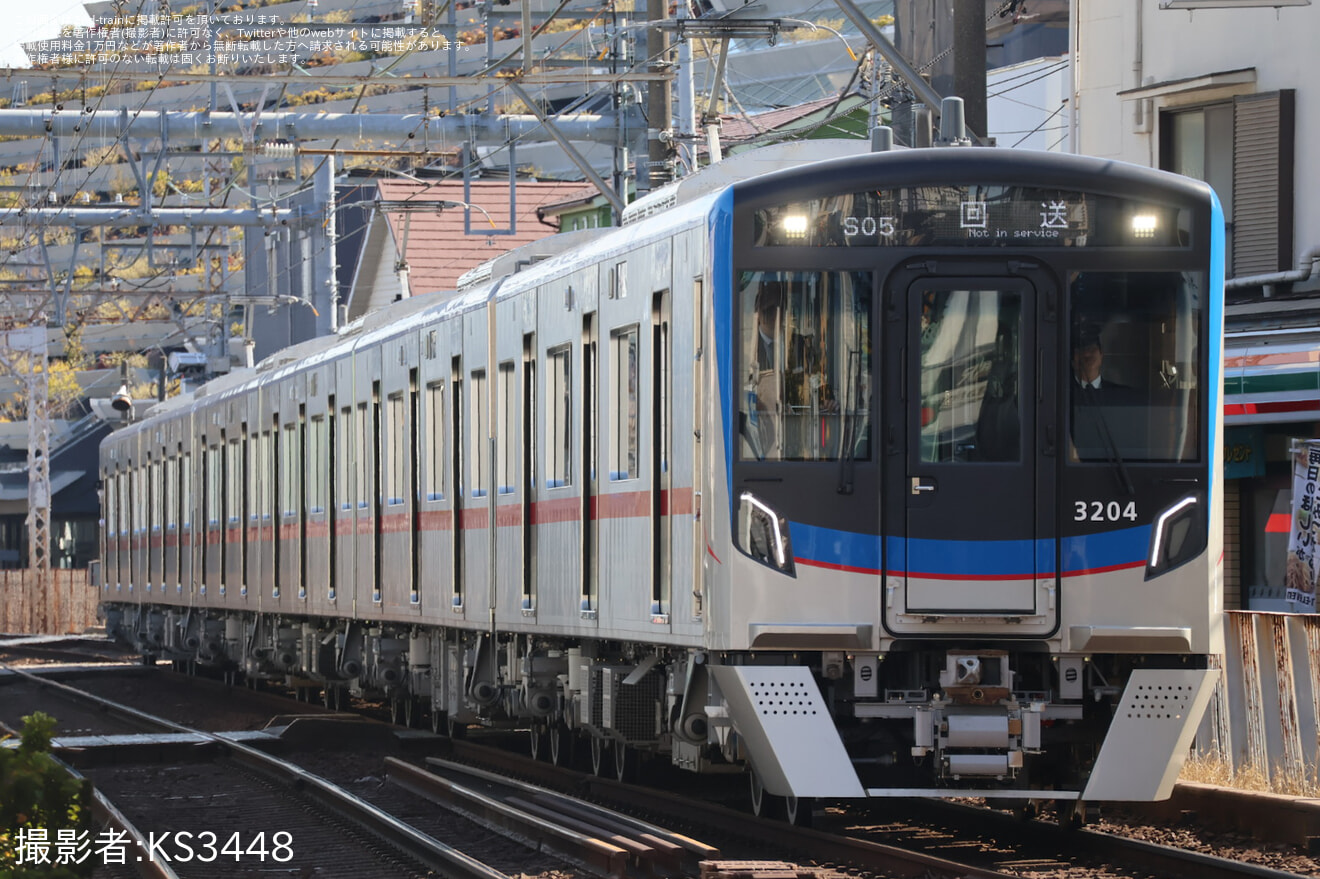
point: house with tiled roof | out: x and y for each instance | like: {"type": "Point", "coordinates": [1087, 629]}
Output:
{"type": "Point", "coordinates": [833, 118]}
{"type": "Point", "coordinates": [423, 235]}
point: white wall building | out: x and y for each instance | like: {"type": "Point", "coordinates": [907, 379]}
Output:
{"type": "Point", "coordinates": [1224, 90]}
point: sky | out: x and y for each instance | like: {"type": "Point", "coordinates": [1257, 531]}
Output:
{"type": "Point", "coordinates": [26, 20]}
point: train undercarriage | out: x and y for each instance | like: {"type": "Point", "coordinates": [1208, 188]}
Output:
{"type": "Point", "coordinates": [983, 720]}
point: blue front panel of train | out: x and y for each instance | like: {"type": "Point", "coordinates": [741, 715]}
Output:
{"type": "Point", "coordinates": [721, 243]}
{"type": "Point", "coordinates": [838, 550]}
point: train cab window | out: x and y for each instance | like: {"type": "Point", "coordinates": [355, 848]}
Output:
{"type": "Point", "coordinates": [970, 360]}
{"type": "Point", "coordinates": [805, 365]}
{"type": "Point", "coordinates": [1134, 363]}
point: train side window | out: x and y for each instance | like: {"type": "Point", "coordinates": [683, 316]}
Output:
{"type": "Point", "coordinates": [291, 469]}
{"type": "Point", "coordinates": [264, 496]}
{"type": "Point", "coordinates": [233, 490]}
{"type": "Point", "coordinates": [559, 418]}
{"type": "Point", "coordinates": [479, 455]}
{"type": "Point", "coordinates": [344, 457]}
{"type": "Point", "coordinates": [435, 441]}
{"type": "Point", "coordinates": [315, 465]}
{"type": "Point", "coordinates": [508, 436]}
{"type": "Point", "coordinates": [362, 466]}
{"type": "Point", "coordinates": [153, 496]}
{"type": "Point", "coordinates": [212, 486]}
{"type": "Point", "coordinates": [171, 466]}
{"type": "Point", "coordinates": [625, 387]}
{"type": "Point", "coordinates": [396, 462]}
{"type": "Point", "coordinates": [187, 501]}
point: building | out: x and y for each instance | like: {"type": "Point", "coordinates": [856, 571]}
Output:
{"type": "Point", "coordinates": [422, 236]}
{"type": "Point", "coordinates": [1222, 92]}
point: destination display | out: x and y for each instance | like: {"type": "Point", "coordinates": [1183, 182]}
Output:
{"type": "Point", "coordinates": [970, 216]}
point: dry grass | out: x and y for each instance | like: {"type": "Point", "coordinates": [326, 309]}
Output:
{"type": "Point", "coordinates": [1208, 769]}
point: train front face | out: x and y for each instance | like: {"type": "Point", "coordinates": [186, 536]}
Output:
{"type": "Point", "coordinates": [971, 439]}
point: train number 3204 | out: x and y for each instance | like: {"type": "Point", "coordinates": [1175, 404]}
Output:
{"type": "Point", "coordinates": [1099, 511]}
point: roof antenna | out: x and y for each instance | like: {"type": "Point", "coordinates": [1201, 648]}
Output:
{"type": "Point", "coordinates": [953, 123]}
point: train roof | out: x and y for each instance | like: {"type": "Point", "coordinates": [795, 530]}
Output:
{"type": "Point", "coordinates": [899, 168]}
{"type": "Point", "coordinates": [738, 167]}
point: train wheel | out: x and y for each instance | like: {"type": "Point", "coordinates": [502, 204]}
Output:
{"type": "Point", "coordinates": [764, 805]}
{"type": "Point", "coordinates": [563, 744]}
{"type": "Point", "coordinates": [625, 762]}
{"type": "Point", "coordinates": [1071, 814]}
{"type": "Point", "coordinates": [600, 757]}
{"type": "Point", "coordinates": [798, 810]}
{"type": "Point", "coordinates": [536, 737]}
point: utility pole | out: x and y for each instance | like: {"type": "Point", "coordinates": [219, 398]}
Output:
{"type": "Point", "coordinates": [659, 98]}
{"type": "Point", "coordinates": [969, 62]}
{"type": "Point", "coordinates": [38, 518]}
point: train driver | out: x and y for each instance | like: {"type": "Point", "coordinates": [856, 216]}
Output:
{"type": "Point", "coordinates": [1100, 428]}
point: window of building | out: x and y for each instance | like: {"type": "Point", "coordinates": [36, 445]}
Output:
{"type": "Point", "coordinates": [1244, 148]}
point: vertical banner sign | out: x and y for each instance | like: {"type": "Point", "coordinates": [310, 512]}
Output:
{"type": "Point", "coordinates": [1303, 559]}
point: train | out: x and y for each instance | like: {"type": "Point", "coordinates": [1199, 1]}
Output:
{"type": "Point", "coordinates": [791, 474]}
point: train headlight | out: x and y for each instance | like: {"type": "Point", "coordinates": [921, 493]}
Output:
{"type": "Point", "coordinates": [1144, 226]}
{"type": "Point", "coordinates": [795, 226]}
{"type": "Point", "coordinates": [1178, 536]}
{"type": "Point", "coordinates": [763, 533]}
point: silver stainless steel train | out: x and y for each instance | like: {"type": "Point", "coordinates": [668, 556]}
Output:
{"type": "Point", "coordinates": [788, 475]}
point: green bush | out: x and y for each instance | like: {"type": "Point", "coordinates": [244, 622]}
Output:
{"type": "Point", "coordinates": [37, 794]}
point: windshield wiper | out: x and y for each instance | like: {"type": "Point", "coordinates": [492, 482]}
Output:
{"type": "Point", "coordinates": [847, 433]}
{"type": "Point", "coordinates": [1111, 447]}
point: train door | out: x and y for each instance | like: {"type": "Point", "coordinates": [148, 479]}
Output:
{"type": "Point", "coordinates": [661, 460]}
{"type": "Point", "coordinates": [528, 478]}
{"type": "Point", "coordinates": [976, 534]}
{"type": "Point", "coordinates": [590, 604]}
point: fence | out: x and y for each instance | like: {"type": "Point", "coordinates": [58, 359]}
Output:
{"type": "Point", "coordinates": [1265, 715]}
{"type": "Point", "coordinates": [67, 607]}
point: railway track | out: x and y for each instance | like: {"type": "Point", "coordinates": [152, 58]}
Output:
{"type": "Point", "coordinates": [935, 840]}
{"type": "Point", "coordinates": [233, 808]}
{"type": "Point", "coordinates": [858, 836]}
